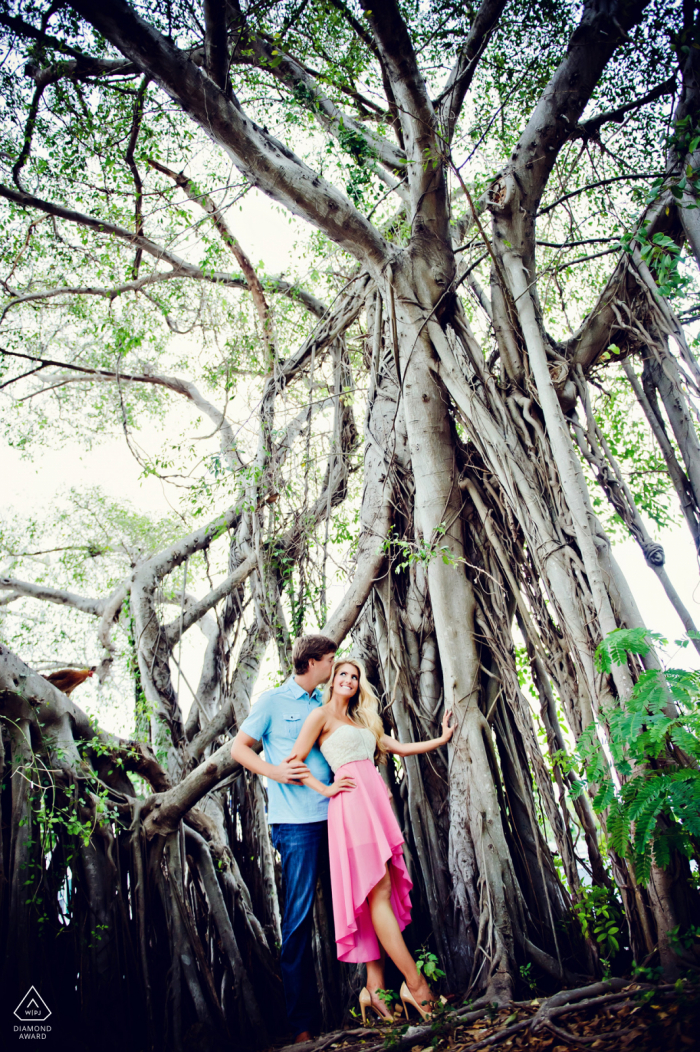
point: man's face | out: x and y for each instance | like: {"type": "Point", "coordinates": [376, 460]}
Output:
{"type": "Point", "coordinates": [322, 668]}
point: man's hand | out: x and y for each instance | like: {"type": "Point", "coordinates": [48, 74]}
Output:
{"type": "Point", "coordinates": [290, 771]}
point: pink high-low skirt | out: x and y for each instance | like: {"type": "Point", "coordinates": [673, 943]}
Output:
{"type": "Point", "coordinates": [363, 836]}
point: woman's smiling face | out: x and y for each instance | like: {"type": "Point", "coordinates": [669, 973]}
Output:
{"type": "Point", "coordinates": [346, 681]}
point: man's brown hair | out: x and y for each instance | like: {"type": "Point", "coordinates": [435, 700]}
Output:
{"type": "Point", "coordinates": [307, 647]}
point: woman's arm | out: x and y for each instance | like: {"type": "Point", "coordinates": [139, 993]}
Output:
{"type": "Point", "coordinates": [312, 727]}
{"type": "Point", "coordinates": [414, 748]}
{"type": "Point", "coordinates": [340, 785]}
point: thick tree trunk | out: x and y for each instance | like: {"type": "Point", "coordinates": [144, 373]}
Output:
{"type": "Point", "coordinates": [479, 853]}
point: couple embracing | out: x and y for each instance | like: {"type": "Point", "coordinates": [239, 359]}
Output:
{"type": "Point", "coordinates": [320, 754]}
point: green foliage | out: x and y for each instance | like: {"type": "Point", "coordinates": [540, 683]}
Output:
{"type": "Point", "coordinates": [653, 796]}
{"type": "Point", "coordinates": [405, 554]}
{"type": "Point", "coordinates": [614, 649]}
{"type": "Point", "coordinates": [663, 257]}
{"type": "Point", "coordinates": [389, 997]}
{"type": "Point", "coordinates": [359, 173]}
{"type": "Point", "coordinates": [428, 964]}
{"type": "Point", "coordinates": [525, 971]}
{"type": "Point", "coordinates": [646, 974]}
{"type": "Point", "coordinates": [684, 140]}
{"type": "Point", "coordinates": [686, 940]}
{"type": "Point", "coordinates": [600, 915]}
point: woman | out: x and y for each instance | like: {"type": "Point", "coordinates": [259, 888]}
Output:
{"type": "Point", "coordinates": [371, 901]}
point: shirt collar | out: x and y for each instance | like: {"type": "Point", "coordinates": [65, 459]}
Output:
{"type": "Point", "coordinates": [298, 692]}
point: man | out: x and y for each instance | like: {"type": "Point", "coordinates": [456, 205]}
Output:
{"type": "Point", "coordinates": [297, 815]}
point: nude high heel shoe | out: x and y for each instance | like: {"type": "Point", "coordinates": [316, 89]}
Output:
{"type": "Point", "coordinates": [365, 1003]}
{"type": "Point", "coordinates": [407, 998]}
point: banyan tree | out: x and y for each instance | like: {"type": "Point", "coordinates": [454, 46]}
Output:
{"type": "Point", "coordinates": [478, 369]}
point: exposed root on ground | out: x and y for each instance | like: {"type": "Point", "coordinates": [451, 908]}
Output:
{"type": "Point", "coordinates": [610, 1016]}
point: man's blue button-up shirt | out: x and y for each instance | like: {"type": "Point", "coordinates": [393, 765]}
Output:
{"type": "Point", "coordinates": [276, 719]}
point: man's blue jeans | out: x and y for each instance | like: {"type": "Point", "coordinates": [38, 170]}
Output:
{"type": "Point", "coordinates": [300, 847]}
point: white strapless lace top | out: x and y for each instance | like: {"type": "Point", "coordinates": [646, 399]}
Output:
{"type": "Point", "coordinates": [347, 744]}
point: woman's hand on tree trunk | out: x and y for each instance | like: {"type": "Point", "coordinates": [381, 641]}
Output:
{"type": "Point", "coordinates": [447, 730]}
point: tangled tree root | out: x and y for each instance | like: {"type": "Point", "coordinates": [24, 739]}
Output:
{"type": "Point", "coordinates": [613, 1016]}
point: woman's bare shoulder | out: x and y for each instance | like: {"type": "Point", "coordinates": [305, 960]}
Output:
{"type": "Point", "coordinates": [317, 717]}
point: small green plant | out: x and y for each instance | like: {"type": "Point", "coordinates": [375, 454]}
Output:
{"type": "Point", "coordinates": [442, 1023]}
{"type": "Point", "coordinates": [646, 975]}
{"type": "Point", "coordinates": [389, 997]}
{"type": "Point", "coordinates": [686, 940]}
{"type": "Point", "coordinates": [428, 964]}
{"type": "Point", "coordinates": [394, 1036]}
{"type": "Point", "coordinates": [492, 1011]}
{"type": "Point", "coordinates": [406, 553]}
{"type": "Point", "coordinates": [600, 916]}
{"type": "Point", "coordinates": [526, 976]}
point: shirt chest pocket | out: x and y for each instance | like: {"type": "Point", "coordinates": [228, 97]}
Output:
{"type": "Point", "coordinates": [292, 726]}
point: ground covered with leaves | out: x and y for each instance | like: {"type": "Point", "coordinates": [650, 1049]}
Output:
{"type": "Point", "coordinates": [617, 1014]}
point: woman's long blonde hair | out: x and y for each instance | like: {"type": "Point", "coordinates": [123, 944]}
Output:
{"type": "Point", "coordinates": [363, 707]}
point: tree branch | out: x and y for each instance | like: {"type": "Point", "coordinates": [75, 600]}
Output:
{"type": "Point", "coordinates": [172, 383]}
{"type": "Point", "coordinates": [594, 186]}
{"type": "Point", "coordinates": [449, 102]}
{"type": "Point", "coordinates": [589, 129]}
{"type": "Point", "coordinates": [426, 177]}
{"type": "Point", "coordinates": [265, 161]}
{"type": "Point", "coordinates": [215, 42]}
{"type": "Point", "coordinates": [181, 269]}
{"type": "Point", "coordinates": [601, 29]}
{"type": "Point", "coordinates": [256, 290]}
{"type": "Point", "coordinates": [369, 43]}
{"type": "Point", "coordinates": [135, 174]}
{"type": "Point", "coordinates": [24, 29]}
{"type": "Point", "coordinates": [42, 83]}
{"type": "Point", "coordinates": [91, 290]}
{"type": "Point", "coordinates": [307, 93]}
{"type": "Point", "coordinates": [194, 611]}
{"type": "Point", "coordinates": [83, 67]}
{"type": "Point", "coordinates": [597, 330]}
{"type": "Point", "coordinates": [96, 607]}
{"type": "Point", "coordinates": [164, 811]}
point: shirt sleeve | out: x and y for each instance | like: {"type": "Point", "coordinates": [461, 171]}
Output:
{"type": "Point", "coordinates": [258, 721]}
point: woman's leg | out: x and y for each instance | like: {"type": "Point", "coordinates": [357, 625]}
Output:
{"type": "Point", "coordinates": [375, 981]}
{"type": "Point", "coordinates": [389, 934]}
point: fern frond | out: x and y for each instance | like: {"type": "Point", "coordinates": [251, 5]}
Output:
{"type": "Point", "coordinates": [647, 795]}
{"type": "Point", "coordinates": [618, 825]}
{"type": "Point", "coordinates": [623, 641]}
{"type": "Point", "coordinates": [605, 796]}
